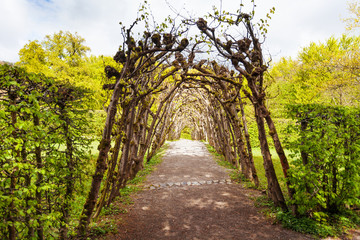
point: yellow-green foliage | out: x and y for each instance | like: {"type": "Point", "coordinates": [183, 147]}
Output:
{"type": "Point", "coordinates": [63, 55]}
{"type": "Point", "coordinates": [322, 73]}
{"type": "Point", "coordinates": [186, 133]}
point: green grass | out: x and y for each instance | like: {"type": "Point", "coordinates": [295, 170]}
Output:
{"type": "Point", "coordinates": [259, 165]}
{"type": "Point", "coordinates": [101, 228]}
{"type": "Point", "coordinates": [219, 158]}
{"type": "Point", "coordinates": [329, 225]}
{"type": "Point", "coordinates": [236, 175]}
{"type": "Point", "coordinates": [185, 135]}
{"type": "Point", "coordinates": [320, 226]}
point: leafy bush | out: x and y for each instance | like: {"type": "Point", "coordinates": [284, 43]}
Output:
{"type": "Point", "coordinates": [326, 169]}
{"type": "Point", "coordinates": [304, 225]}
{"type": "Point", "coordinates": [42, 154]}
{"type": "Point", "coordinates": [322, 226]}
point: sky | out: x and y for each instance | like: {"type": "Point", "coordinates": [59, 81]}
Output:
{"type": "Point", "coordinates": [294, 25]}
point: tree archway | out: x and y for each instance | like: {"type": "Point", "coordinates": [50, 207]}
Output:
{"type": "Point", "coordinates": [159, 80]}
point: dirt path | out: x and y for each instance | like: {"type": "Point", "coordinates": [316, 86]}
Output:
{"type": "Point", "coordinates": [190, 197]}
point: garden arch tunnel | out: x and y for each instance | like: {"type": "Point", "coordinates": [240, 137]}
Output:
{"type": "Point", "coordinates": [155, 83]}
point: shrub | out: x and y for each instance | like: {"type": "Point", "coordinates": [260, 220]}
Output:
{"type": "Point", "coordinates": [326, 169]}
{"type": "Point", "coordinates": [42, 154]}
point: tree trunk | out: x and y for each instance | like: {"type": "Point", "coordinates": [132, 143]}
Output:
{"type": "Point", "coordinates": [248, 144]}
{"type": "Point", "coordinates": [39, 179]}
{"type": "Point", "coordinates": [281, 154]}
{"type": "Point", "coordinates": [28, 198]}
{"type": "Point", "coordinates": [98, 175]}
{"type": "Point", "coordinates": [154, 125]}
{"type": "Point", "coordinates": [274, 189]}
{"type": "Point", "coordinates": [125, 161]}
{"type": "Point", "coordinates": [244, 158]}
{"type": "Point", "coordinates": [11, 210]}
{"type": "Point", "coordinates": [69, 181]}
{"type": "Point", "coordinates": [110, 176]}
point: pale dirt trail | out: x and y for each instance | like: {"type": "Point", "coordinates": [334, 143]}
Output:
{"type": "Point", "coordinates": [190, 197]}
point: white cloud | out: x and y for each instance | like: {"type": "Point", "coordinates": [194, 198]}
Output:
{"type": "Point", "coordinates": [12, 16]}
{"type": "Point", "coordinates": [294, 24]}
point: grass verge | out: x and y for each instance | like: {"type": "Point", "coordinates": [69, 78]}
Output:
{"type": "Point", "coordinates": [320, 226]}
{"type": "Point", "coordinates": [259, 165]}
{"type": "Point", "coordinates": [219, 158]}
{"type": "Point", "coordinates": [237, 176]}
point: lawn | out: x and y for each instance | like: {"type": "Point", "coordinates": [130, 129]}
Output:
{"type": "Point", "coordinates": [259, 165]}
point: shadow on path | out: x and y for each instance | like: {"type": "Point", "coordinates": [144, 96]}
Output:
{"type": "Point", "coordinates": [190, 197]}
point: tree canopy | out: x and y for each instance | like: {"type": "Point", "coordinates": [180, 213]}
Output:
{"type": "Point", "coordinates": [63, 55]}
{"type": "Point", "coordinates": [323, 73]}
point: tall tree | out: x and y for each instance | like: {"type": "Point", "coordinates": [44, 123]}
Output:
{"type": "Point", "coordinates": [64, 55]}
{"type": "Point", "coordinates": [247, 58]}
{"type": "Point", "coordinates": [132, 84]}
{"type": "Point", "coordinates": [61, 55]}
{"type": "Point", "coordinates": [325, 73]}
{"type": "Point", "coordinates": [353, 22]}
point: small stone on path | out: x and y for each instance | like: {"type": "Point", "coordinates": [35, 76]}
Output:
{"type": "Point", "coordinates": [187, 203]}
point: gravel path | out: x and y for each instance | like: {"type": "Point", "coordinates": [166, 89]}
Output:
{"type": "Point", "coordinates": [190, 197]}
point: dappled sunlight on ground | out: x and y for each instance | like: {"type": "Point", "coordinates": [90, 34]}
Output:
{"type": "Point", "coordinates": [189, 196]}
